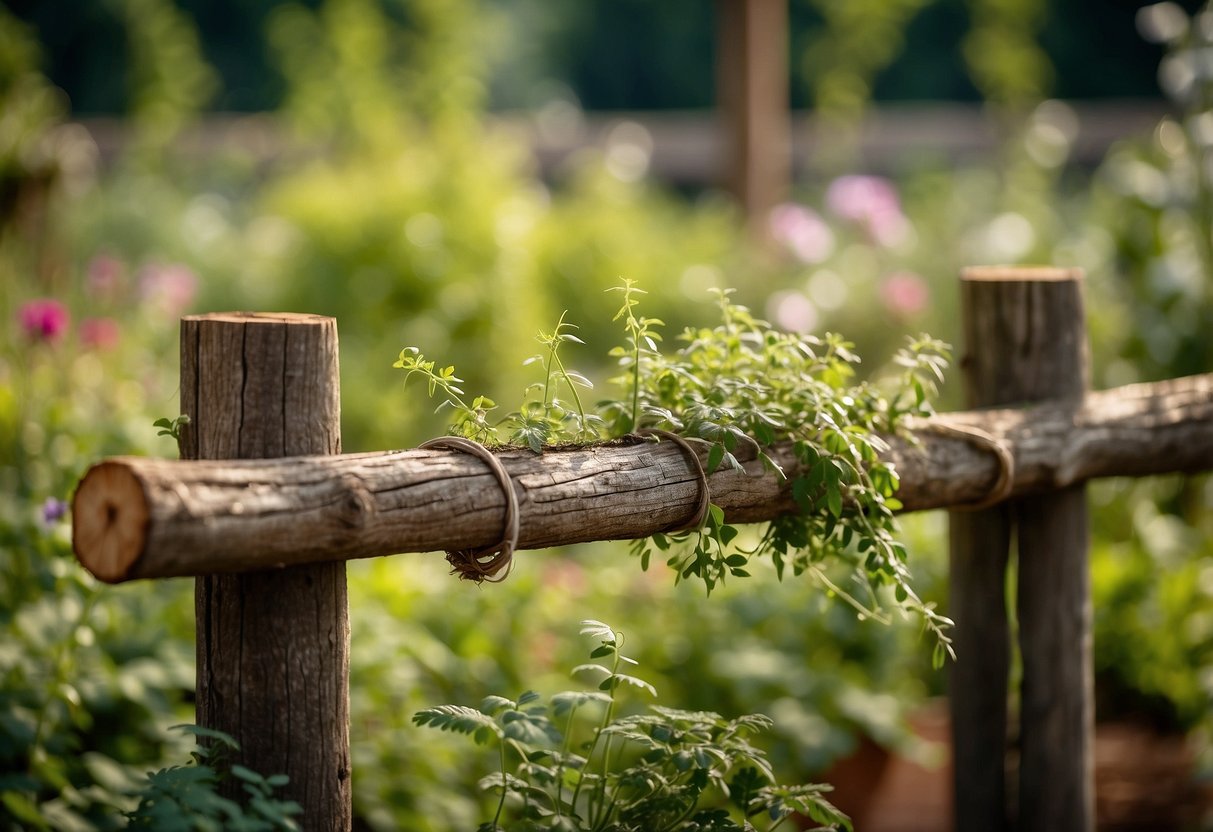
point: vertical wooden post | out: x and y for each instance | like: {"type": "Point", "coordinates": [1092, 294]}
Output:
{"type": "Point", "coordinates": [979, 545]}
{"type": "Point", "coordinates": [752, 94]}
{"type": "Point", "coordinates": [273, 647]}
{"type": "Point", "coordinates": [1025, 341]}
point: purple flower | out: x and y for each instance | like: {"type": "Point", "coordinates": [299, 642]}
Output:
{"type": "Point", "coordinates": [170, 289]}
{"type": "Point", "coordinates": [870, 202]}
{"type": "Point", "coordinates": [44, 319]}
{"type": "Point", "coordinates": [53, 510]}
{"type": "Point", "coordinates": [802, 231]}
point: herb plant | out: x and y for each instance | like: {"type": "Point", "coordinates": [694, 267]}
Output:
{"type": "Point", "coordinates": [741, 388]}
{"type": "Point", "coordinates": [664, 770]}
{"type": "Point", "coordinates": [185, 798]}
{"type": "Point", "coordinates": [171, 427]}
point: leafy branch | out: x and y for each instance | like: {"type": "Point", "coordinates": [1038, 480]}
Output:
{"type": "Point", "coordinates": [740, 388]}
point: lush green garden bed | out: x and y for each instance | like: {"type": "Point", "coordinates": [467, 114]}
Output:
{"type": "Point", "coordinates": [418, 224]}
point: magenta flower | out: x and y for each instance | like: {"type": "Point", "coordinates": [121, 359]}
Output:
{"type": "Point", "coordinates": [904, 294]}
{"type": "Point", "coordinates": [169, 289]}
{"type": "Point", "coordinates": [870, 202]}
{"type": "Point", "coordinates": [802, 230]}
{"type": "Point", "coordinates": [104, 276]}
{"type": "Point", "coordinates": [100, 333]}
{"type": "Point", "coordinates": [44, 319]}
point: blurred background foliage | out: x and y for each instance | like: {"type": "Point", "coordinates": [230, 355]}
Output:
{"type": "Point", "coordinates": [379, 187]}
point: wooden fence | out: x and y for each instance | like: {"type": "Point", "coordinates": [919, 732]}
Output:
{"type": "Point", "coordinates": [264, 509]}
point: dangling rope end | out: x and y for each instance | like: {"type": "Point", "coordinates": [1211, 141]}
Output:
{"type": "Point", "coordinates": [493, 563]}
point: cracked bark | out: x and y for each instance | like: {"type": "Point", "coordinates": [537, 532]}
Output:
{"type": "Point", "coordinates": [272, 647]}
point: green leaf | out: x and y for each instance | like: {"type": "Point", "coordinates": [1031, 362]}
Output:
{"type": "Point", "coordinates": [492, 704]}
{"type": "Point", "coordinates": [459, 719]}
{"type": "Point", "coordinates": [597, 629]}
{"type": "Point", "coordinates": [833, 491]}
{"type": "Point", "coordinates": [246, 774]}
{"type": "Point", "coordinates": [563, 703]}
{"type": "Point", "coordinates": [623, 678]}
{"type": "Point", "coordinates": [816, 476]}
{"type": "Point", "coordinates": [23, 809]}
{"type": "Point", "coordinates": [198, 731]}
{"type": "Point", "coordinates": [530, 729]}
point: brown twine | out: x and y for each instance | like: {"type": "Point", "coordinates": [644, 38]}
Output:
{"type": "Point", "coordinates": [484, 564]}
{"type": "Point", "coordinates": [705, 495]}
{"type": "Point", "coordinates": [1006, 462]}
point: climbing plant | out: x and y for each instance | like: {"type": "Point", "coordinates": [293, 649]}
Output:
{"type": "Point", "coordinates": [739, 388]}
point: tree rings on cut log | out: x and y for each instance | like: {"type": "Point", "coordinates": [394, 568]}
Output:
{"type": "Point", "coordinates": [109, 521]}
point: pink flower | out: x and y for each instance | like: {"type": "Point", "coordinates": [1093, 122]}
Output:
{"type": "Point", "coordinates": [170, 289]}
{"type": "Point", "coordinates": [104, 276]}
{"type": "Point", "coordinates": [792, 311]}
{"type": "Point", "coordinates": [100, 333]}
{"type": "Point", "coordinates": [904, 294]}
{"type": "Point", "coordinates": [871, 202]}
{"type": "Point", "coordinates": [44, 319]}
{"type": "Point", "coordinates": [802, 231]}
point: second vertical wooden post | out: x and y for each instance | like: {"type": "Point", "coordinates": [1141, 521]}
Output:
{"type": "Point", "coordinates": [273, 647]}
{"type": "Point", "coordinates": [1025, 341]}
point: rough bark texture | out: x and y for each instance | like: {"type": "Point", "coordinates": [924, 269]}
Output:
{"type": "Point", "coordinates": [272, 647]}
{"type": "Point", "coordinates": [1046, 335]}
{"type": "Point", "coordinates": [143, 518]}
{"type": "Point", "coordinates": [1025, 342]}
{"type": "Point", "coordinates": [979, 545]}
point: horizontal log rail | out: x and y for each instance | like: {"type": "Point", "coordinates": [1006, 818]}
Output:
{"type": "Point", "coordinates": [152, 518]}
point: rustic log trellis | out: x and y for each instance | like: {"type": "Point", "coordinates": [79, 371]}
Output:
{"type": "Point", "coordinates": [277, 636]}
{"type": "Point", "coordinates": [153, 518]}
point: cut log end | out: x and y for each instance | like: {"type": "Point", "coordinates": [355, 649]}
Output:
{"type": "Point", "coordinates": [302, 318]}
{"type": "Point", "coordinates": [110, 521]}
{"type": "Point", "coordinates": [1033, 274]}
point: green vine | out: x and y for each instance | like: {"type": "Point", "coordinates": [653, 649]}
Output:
{"type": "Point", "coordinates": [741, 388]}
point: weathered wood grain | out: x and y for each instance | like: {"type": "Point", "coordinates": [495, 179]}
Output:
{"type": "Point", "coordinates": [144, 518]}
{"type": "Point", "coordinates": [272, 647]}
{"type": "Point", "coordinates": [1044, 333]}
{"type": "Point", "coordinates": [1026, 341]}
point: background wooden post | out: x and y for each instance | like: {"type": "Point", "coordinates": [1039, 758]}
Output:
{"type": "Point", "coordinates": [273, 647]}
{"type": "Point", "coordinates": [1026, 341]}
{"type": "Point", "coordinates": [752, 96]}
